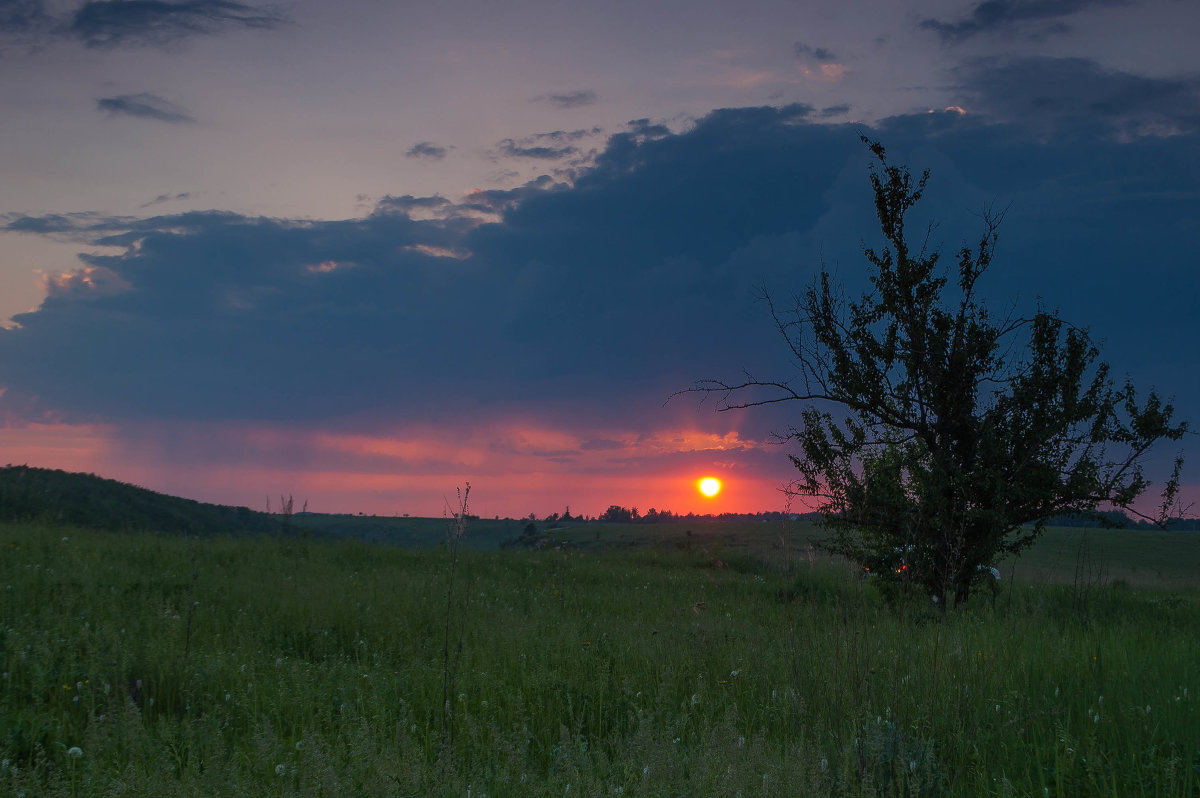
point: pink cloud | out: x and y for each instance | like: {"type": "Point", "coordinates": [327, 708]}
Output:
{"type": "Point", "coordinates": [90, 281]}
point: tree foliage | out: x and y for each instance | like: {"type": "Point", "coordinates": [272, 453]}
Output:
{"type": "Point", "coordinates": [937, 437]}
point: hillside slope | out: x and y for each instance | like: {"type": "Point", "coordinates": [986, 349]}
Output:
{"type": "Point", "coordinates": [87, 500]}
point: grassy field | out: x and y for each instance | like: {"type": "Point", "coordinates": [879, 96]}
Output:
{"type": "Point", "coordinates": [724, 662]}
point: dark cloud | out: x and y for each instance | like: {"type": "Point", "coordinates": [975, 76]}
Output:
{"type": "Point", "coordinates": [408, 203]}
{"type": "Point", "coordinates": [817, 54]}
{"type": "Point", "coordinates": [499, 200]}
{"type": "Point", "coordinates": [571, 99]}
{"type": "Point", "coordinates": [161, 198]}
{"type": "Point", "coordinates": [597, 299]}
{"type": "Point", "coordinates": [426, 149]}
{"type": "Point", "coordinates": [1039, 17]}
{"type": "Point", "coordinates": [555, 145]}
{"type": "Point", "coordinates": [119, 23]}
{"type": "Point", "coordinates": [112, 23]}
{"type": "Point", "coordinates": [1060, 93]}
{"type": "Point", "coordinates": [645, 129]}
{"type": "Point", "coordinates": [144, 106]}
{"type": "Point", "coordinates": [834, 110]}
{"type": "Point", "coordinates": [19, 17]}
{"type": "Point", "coordinates": [512, 149]}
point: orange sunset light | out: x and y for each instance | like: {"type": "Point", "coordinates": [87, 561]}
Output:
{"type": "Point", "coordinates": [709, 486]}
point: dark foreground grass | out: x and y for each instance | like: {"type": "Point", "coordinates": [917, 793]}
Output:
{"type": "Point", "coordinates": [317, 669]}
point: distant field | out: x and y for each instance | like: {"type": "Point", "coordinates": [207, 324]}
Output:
{"type": "Point", "coordinates": [1138, 557]}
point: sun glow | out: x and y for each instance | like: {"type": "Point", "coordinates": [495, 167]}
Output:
{"type": "Point", "coordinates": [710, 486]}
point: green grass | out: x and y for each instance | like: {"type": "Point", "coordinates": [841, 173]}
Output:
{"type": "Point", "coordinates": [677, 666]}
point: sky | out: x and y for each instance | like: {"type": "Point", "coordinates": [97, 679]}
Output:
{"type": "Point", "coordinates": [364, 253]}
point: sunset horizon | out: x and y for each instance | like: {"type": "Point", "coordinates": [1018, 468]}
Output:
{"type": "Point", "coordinates": [365, 256]}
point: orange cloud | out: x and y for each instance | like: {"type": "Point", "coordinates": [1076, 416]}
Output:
{"type": "Point", "coordinates": [824, 73]}
{"type": "Point", "coordinates": [91, 281]}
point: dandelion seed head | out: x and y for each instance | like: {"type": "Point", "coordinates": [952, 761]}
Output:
{"type": "Point", "coordinates": [74, 752]}
{"type": "Point", "coordinates": [280, 769]}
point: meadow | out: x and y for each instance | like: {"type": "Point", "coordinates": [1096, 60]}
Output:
{"type": "Point", "coordinates": [672, 660]}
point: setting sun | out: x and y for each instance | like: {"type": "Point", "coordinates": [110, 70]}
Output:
{"type": "Point", "coordinates": [710, 486]}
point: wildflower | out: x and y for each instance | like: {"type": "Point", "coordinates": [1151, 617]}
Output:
{"type": "Point", "coordinates": [1147, 709]}
{"type": "Point", "coordinates": [645, 773]}
{"type": "Point", "coordinates": [1096, 718]}
{"type": "Point", "coordinates": [824, 764]}
{"type": "Point", "coordinates": [280, 769]}
{"type": "Point", "coordinates": [78, 685]}
{"type": "Point", "coordinates": [74, 752]}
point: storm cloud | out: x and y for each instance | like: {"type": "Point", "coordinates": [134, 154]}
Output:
{"type": "Point", "coordinates": [600, 296]}
{"type": "Point", "coordinates": [1047, 93]}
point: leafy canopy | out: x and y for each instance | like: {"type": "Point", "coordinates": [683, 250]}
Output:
{"type": "Point", "coordinates": [936, 437]}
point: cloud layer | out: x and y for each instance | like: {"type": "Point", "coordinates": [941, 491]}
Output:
{"type": "Point", "coordinates": [599, 297]}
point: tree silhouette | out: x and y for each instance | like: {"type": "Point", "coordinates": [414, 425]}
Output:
{"type": "Point", "coordinates": [937, 438]}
